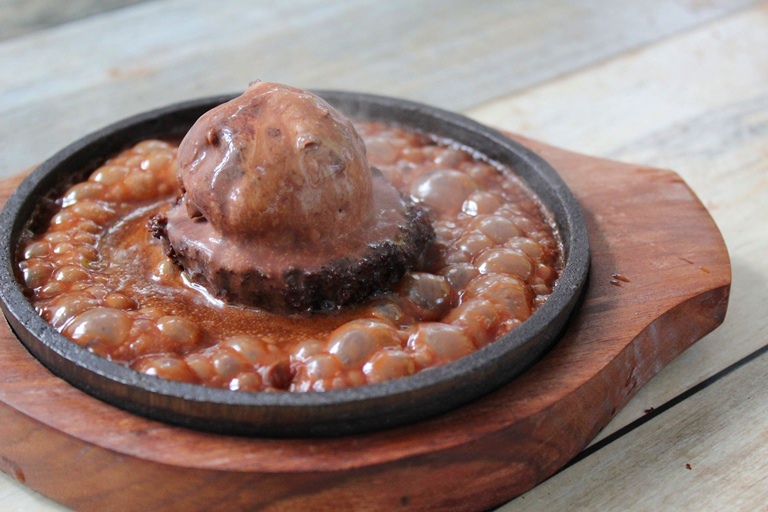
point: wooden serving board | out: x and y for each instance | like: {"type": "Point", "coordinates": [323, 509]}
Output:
{"type": "Point", "coordinates": [659, 282]}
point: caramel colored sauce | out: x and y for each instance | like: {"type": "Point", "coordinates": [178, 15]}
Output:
{"type": "Point", "coordinates": [98, 276]}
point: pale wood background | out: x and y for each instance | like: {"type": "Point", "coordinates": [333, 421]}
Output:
{"type": "Point", "coordinates": [681, 84]}
{"type": "Point", "coordinates": [17, 17]}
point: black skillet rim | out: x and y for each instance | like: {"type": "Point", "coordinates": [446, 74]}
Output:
{"type": "Point", "coordinates": [329, 413]}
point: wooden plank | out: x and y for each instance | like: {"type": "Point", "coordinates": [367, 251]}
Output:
{"type": "Point", "coordinates": [712, 445]}
{"type": "Point", "coordinates": [65, 82]}
{"type": "Point", "coordinates": [707, 118]}
{"type": "Point", "coordinates": [602, 109]}
{"type": "Point", "coordinates": [18, 17]}
{"type": "Point", "coordinates": [643, 223]}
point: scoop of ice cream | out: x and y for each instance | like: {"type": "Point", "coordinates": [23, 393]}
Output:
{"type": "Point", "coordinates": [281, 210]}
{"type": "Point", "coordinates": [277, 163]}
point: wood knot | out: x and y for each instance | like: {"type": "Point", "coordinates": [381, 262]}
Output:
{"type": "Point", "coordinates": [12, 469]}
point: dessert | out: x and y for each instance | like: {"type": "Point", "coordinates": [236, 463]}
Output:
{"type": "Point", "coordinates": [102, 278]}
{"type": "Point", "coordinates": [281, 210]}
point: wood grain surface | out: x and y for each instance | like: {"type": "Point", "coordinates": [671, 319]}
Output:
{"type": "Point", "coordinates": [645, 226]}
{"type": "Point", "coordinates": [448, 53]}
{"type": "Point", "coordinates": [19, 17]}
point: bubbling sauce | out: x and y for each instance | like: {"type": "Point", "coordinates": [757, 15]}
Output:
{"type": "Point", "coordinates": [96, 273]}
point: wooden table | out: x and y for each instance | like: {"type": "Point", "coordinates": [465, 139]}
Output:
{"type": "Point", "coordinates": [679, 84]}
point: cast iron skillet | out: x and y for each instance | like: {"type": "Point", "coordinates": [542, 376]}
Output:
{"type": "Point", "coordinates": [338, 412]}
